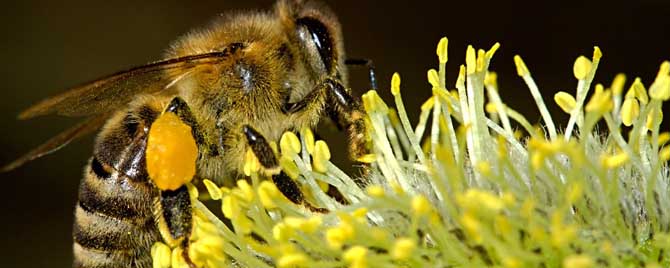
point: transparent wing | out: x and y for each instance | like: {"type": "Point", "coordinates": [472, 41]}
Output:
{"type": "Point", "coordinates": [59, 141]}
{"type": "Point", "coordinates": [108, 93]}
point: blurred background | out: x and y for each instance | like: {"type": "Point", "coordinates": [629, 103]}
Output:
{"type": "Point", "coordinates": [51, 45]}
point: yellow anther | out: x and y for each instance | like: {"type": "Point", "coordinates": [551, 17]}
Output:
{"type": "Point", "coordinates": [581, 68]}
{"type": "Point", "coordinates": [289, 144]}
{"type": "Point", "coordinates": [597, 54]}
{"type": "Point", "coordinates": [460, 81]}
{"type": "Point", "coordinates": [420, 205]}
{"type": "Point", "coordinates": [565, 101]}
{"type": "Point", "coordinates": [213, 190]}
{"type": "Point", "coordinates": [230, 206]}
{"type": "Point", "coordinates": [629, 111]}
{"type": "Point", "coordinates": [403, 248]}
{"type": "Point", "coordinates": [367, 158]}
{"type": "Point", "coordinates": [282, 232]}
{"type": "Point", "coordinates": [617, 84]}
{"type": "Point", "coordinates": [292, 260]}
{"type": "Point", "coordinates": [664, 69]}
{"type": "Point", "coordinates": [663, 138]}
{"type": "Point", "coordinates": [375, 191]}
{"type": "Point", "coordinates": [160, 253]}
{"type": "Point", "coordinates": [574, 193]}
{"type": "Point", "coordinates": [491, 79]}
{"type": "Point", "coordinates": [470, 60]}
{"type": "Point", "coordinates": [312, 224]}
{"type": "Point", "coordinates": [578, 261]}
{"type": "Point", "coordinates": [512, 262]}
{"type": "Point", "coordinates": [474, 199]}
{"type": "Point", "coordinates": [177, 258]}
{"type": "Point", "coordinates": [246, 192]}
{"type": "Point", "coordinates": [267, 192]}
{"type": "Point", "coordinates": [251, 164]}
{"type": "Point", "coordinates": [433, 78]}
{"type": "Point", "coordinates": [654, 117]}
{"type": "Point", "coordinates": [337, 236]}
{"type": "Point", "coordinates": [395, 186]}
{"type": "Point", "coordinates": [442, 50]}
{"type": "Point", "coordinates": [615, 161]}
{"type": "Point", "coordinates": [472, 226]}
{"type": "Point", "coordinates": [527, 208]}
{"type": "Point", "coordinates": [484, 168]}
{"type": "Point", "coordinates": [502, 224]}
{"type": "Point", "coordinates": [289, 167]}
{"type": "Point", "coordinates": [660, 89]}
{"type": "Point", "coordinates": [360, 213]}
{"type": "Point", "coordinates": [321, 156]}
{"type": "Point", "coordinates": [481, 60]}
{"type": "Point", "coordinates": [171, 152]}
{"type": "Point", "coordinates": [640, 92]}
{"type": "Point", "coordinates": [492, 50]}
{"type": "Point", "coordinates": [521, 68]}
{"type": "Point", "coordinates": [601, 101]}
{"type": "Point", "coordinates": [664, 153]}
{"type": "Point", "coordinates": [355, 256]}
{"type": "Point", "coordinates": [395, 84]}
{"type": "Point", "coordinates": [308, 137]}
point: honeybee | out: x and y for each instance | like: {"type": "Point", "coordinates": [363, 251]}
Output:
{"type": "Point", "coordinates": [236, 85]}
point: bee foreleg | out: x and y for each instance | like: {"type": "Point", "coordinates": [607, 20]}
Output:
{"type": "Point", "coordinates": [346, 112]}
{"type": "Point", "coordinates": [179, 107]}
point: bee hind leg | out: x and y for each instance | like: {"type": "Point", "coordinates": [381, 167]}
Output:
{"type": "Point", "coordinates": [174, 215]}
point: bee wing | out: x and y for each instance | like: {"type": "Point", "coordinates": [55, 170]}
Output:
{"type": "Point", "coordinates": [59, 141]}
{"type": "Point", "coordinates": [109, 92]}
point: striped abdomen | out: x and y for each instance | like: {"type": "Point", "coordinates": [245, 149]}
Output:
{"type": "Point", "coordinates": [114, 223]}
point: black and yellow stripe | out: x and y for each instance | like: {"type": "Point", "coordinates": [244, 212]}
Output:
{"type": "Point", "coordinates": [114, 219]}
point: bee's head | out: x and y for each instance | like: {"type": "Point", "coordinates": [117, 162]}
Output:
{"type": "Point", "coordinates": [316, 31]}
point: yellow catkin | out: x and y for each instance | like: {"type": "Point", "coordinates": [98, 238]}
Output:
{"type": "Point", "coordinates": [171, 152]}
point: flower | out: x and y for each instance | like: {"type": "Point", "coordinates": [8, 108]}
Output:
{"type": "Point", "coordinates": [462, 188]}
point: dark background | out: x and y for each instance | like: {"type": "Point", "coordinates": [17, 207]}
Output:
{"type": "Point", "coordinates": [50, 45]}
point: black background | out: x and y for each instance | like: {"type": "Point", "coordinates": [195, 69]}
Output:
{"type": "Point", "coordinates": [50, 45]}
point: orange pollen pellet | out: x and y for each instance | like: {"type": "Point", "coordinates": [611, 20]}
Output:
{"type": "Point", "coordinates": [171, 152]}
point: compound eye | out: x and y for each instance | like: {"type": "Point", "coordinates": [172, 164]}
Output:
{"type": "Point", "coordinates": [320, 37]}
